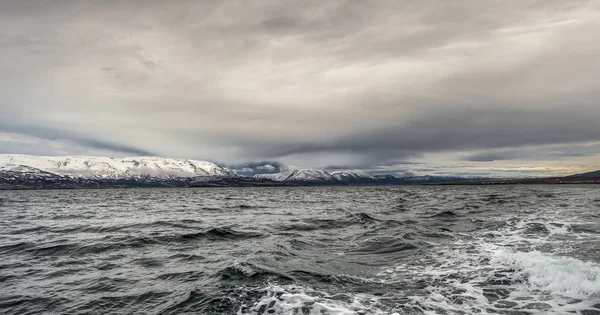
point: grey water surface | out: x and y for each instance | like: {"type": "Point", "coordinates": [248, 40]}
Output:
{"type": "Point", "coordinates": [302, 250]}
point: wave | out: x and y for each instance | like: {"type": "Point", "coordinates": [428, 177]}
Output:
{"type": "Point", "coordinates": [245, 271]}
{"type": "Point", "coordinates": [31, 304]}
{"type": "Point", "coordinates": [559, 276]}
{"type": "Point", "coordinates": [184, 276]}
{"type": "Point", "coordinates": [445, 214]}
{"type": "Point", "coordinates": [351, 219]}
{"type": "Point", "coordinates": [114, 304]}
{"type": "Point", "coordinates": [115, 243]}
{"type": "Point", "coordinates": [305, 276]}
{"type": "Point", "coordinates": [380, 246]}
{"type": "Point", "coordinates": [218, 233]}
{"type": "Point", "coordinates": [294, 299]}
{"type": "Point", "coordinates": [15, 248]}
{"type": "Point", "coordinates": [105, 284]}
{"type": "Point", "coordinates": [84, 228]}
{"type": "Point", "coordinates": [246, 206]}
{"type": "Point", "coordinates": [363, 217]}
{"type": "Point", "coordinates": [503, 271]}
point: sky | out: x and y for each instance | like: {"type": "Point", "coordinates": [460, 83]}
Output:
{"type": "Point", "coordinates": [481, 88]}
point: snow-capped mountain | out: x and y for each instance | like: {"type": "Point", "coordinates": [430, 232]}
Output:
{"type": "Point", "coordinates": [278, 177]}
{"type": "Point", "coordinates": [384, 177]}
{"type": "Point", "coordinates": [347, 176]}
{"type": "Point", "coordinates": [314, 176]}
{"type": "Point", "coordinates": [321, 176]}
{"type": "Point", "coordinates": [40, 172]}
{"type": "Point", "coordinates": [14, 171]}
{"type": "Point", "coordinates": [344, 178]}
{"type": "Point", "coordinates": [112, 168]}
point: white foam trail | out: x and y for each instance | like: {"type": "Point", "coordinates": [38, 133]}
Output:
{"type": "Point", "coordinates": [528, 266]}
{"type": "Point", "coordinates": [301, 300]}
{"type": "Point", "coordinates": [521, 267]}
{"type": "Point", "coordinates": [560, 276]}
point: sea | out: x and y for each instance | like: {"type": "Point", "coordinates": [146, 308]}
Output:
{"type": "Point", "coordinates": [302, 250]}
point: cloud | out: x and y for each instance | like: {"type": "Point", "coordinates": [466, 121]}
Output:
{"type": "Point", "coordinates": [265, 167]}
{"type": "Point", "coordinates": [551, 152]}
{"type": "Point", "coordinates": [50, 136]}
{"type": "Point", "coordinates": [12, 143]}
{"type": "Point", "coordinates": [355, 83]}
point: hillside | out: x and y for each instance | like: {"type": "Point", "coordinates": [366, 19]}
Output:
{"type": "Point", "coordinates": [585, 178]}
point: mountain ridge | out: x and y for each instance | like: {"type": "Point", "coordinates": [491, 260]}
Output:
{"type": "Point", "coordinates": [592, 174]}
{"type": "Point", "coordinates": [49, 172]}
{"type": "Point", "coordinates": [107, 167]}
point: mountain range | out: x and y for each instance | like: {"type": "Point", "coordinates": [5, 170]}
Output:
{"type": "Point", "coordinates": [321, 177]}
{"type": "Point", "coordinates": [40, 172]}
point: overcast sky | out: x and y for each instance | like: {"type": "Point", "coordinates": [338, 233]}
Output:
{"type": "Point", "coordinates": [425, 87]}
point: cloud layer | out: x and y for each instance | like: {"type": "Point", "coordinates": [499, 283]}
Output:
{"type": "Point", "coordinates": [363, 84]}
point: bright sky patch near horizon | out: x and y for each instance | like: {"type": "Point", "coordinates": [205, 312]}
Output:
{"type": "Point", "coordinates": [501, 88]}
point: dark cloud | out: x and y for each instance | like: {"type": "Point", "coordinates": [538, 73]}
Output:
{"type": "Point", "coordinates": [113, 147]}
{"type": "Point", "coordinates": [265, 167]}
{"type": "Point", "coordinates": [356, 84]}
{"type": "Point", "coordinates": [537, 153]}
{"type": "Point", "coordinates": [462, 129]}
{"type": "Point", "coordinates": [493, 156]}
{"type": "Point", "coordinates": [52, 134]}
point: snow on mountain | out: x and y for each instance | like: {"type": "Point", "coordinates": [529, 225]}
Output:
{"type": "Point", "coordinates": [384, 177]}
{"type": "Point", "coordinates": [19, 168]}
{"type": "Point", "coordinates": [307, 175]}
{"type": "Point", "coordinates": [347, 176]}
{"type": "Point", "coordinates": [84, 171]}
{"type": "Point", "coordinates": [14, 172]}
{"type": "Point", "coordinates": [278, 177]}
{"type": "Point", "coordinates": [105, 167]}
{"type": "Point", "coordinates": [321, 176]}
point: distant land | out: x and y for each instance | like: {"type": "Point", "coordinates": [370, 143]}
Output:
{"type": "Point", "coordinates": [585, 178]}
{"type": "Point", "coordinates": [73, 172]}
